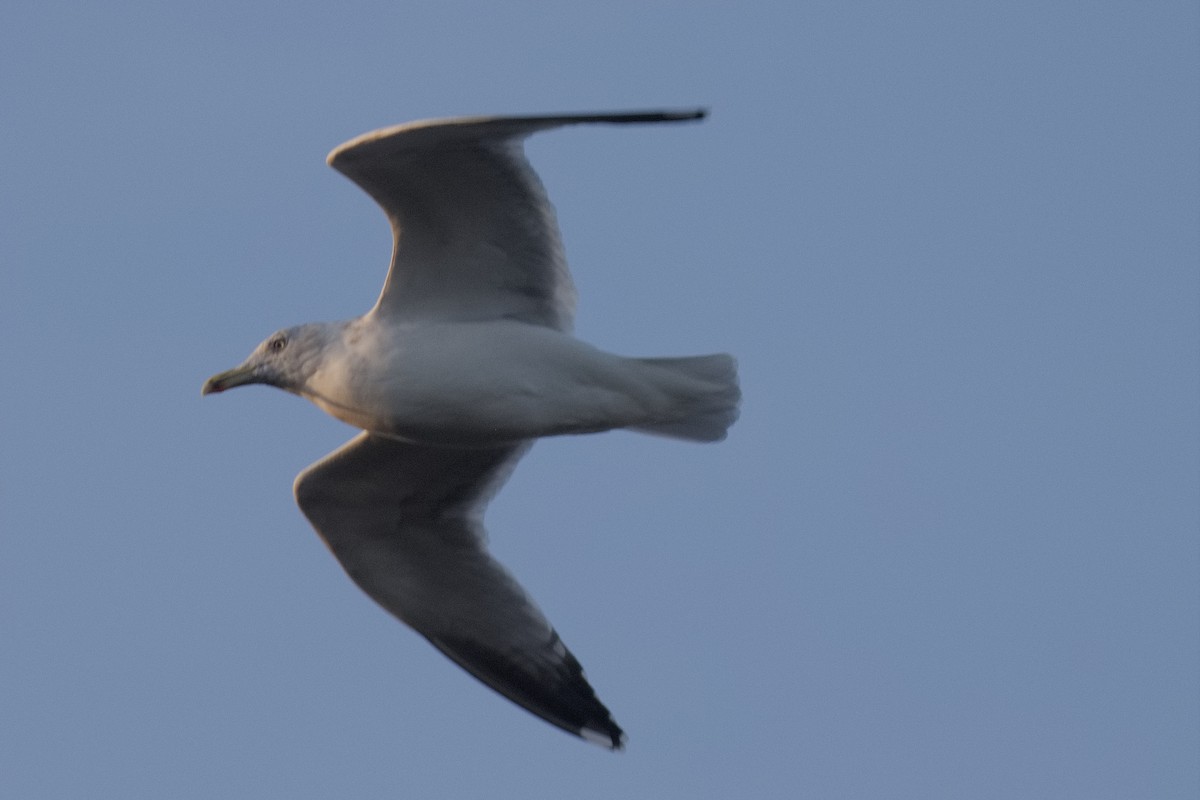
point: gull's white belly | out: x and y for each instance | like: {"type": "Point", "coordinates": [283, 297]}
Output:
{"type": "Point", "coordinates": [480, 384]}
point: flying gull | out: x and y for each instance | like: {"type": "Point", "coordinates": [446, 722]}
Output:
{"type": "Point", "coordinates": [464, 360]}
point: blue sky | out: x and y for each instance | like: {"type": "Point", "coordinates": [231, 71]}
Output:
{"type": "Point", "coordinates": [950, 550]}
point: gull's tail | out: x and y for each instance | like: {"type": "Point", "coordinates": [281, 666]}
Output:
{"type": "Point", "coordinates": [703, 396]}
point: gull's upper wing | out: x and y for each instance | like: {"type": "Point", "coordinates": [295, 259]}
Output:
{"type": "Point", "coordinates": [404, 521]}
{"type": "Point", "coordinates": [475, 236]}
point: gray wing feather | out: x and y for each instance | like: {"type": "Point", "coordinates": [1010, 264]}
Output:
{"type": "Point", "coordinates": [475, 236]}
{"type": "Point", "coordinates": [404, 522]}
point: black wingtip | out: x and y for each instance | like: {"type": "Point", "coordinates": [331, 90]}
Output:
{"type": "Point", "coordinates": [679, 115]}
{"type": "Point", "coordinates": [605, 733]}
{"type": "Point", "coordinates": [617, 117]}
{"type": "Point", "coordinates": [562, 696]}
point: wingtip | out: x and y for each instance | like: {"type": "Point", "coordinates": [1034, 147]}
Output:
{"type": "Point", "coordinates": [685, 115]}
{"type": "Point", "coordinates": [662, 115]}
{"type": "Point", "coordinates": [610, 737]}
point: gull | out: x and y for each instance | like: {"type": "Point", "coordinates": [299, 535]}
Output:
{"type": "Point", "coordinates": [465, 359]}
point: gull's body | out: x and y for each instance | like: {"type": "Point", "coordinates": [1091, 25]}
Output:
{"type": "Point", "coordinates": [465, 359]}
{"type": "Point", "coordinates": [511, 381]}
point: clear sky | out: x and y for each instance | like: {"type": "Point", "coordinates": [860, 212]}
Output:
{"type": "Point", "coordinates": [951, 550]}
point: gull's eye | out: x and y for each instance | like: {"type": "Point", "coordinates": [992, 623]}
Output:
{"type": "Point", "coordinates": [277, 344]}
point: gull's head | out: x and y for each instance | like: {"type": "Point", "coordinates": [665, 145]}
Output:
{"type": "Point", "coordinates": [285, 359]}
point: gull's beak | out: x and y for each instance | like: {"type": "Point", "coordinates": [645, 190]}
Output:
{"type": "Point", "coordinates": [238, 376]}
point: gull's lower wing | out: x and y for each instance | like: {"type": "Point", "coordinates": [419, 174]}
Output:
{"type": "Point", "coordinates": [475, 235]}
{"type": "Point", "coordinates": [403, 520]}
